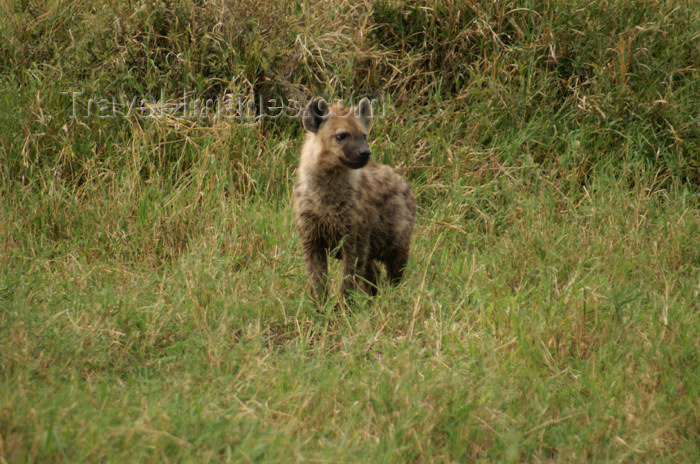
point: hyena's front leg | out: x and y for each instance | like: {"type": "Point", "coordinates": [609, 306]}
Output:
{"type": "Point", "coordinates": [370, 278]}
{"type": "Point", "coordinates": [354, 263]}
{"type": "Point", "coordinates": [316, 267]}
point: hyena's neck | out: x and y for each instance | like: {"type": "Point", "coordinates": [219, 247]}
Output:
{"type": "Point", "coordinates": [330, 184]}
{"type": "Point", "coordinates": [325, 178]}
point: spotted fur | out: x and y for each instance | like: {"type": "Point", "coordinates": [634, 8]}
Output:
{"type": "Point", "coordinates": [343, 201]}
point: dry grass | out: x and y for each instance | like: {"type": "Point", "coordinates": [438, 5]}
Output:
{"type": "Point", "coordinates": [152, 295]}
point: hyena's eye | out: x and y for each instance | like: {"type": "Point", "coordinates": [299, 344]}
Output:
{"type": "Point", "coordinates": [341, 137]}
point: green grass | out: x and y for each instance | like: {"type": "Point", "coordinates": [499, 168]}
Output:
{"type": "Point", "coordinates": [153, 300]}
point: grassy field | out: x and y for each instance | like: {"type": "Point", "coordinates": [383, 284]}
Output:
{"type": "Point", "coordinates": [153, 299]}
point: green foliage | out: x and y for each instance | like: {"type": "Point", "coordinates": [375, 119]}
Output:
{"type": "Point", "coordinates": [153, 300]}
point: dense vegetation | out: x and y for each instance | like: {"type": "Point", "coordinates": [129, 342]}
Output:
{"type": "Point", "coordinates": [153, 300]}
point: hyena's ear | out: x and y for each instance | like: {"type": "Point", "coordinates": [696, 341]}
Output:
{"type": "Point", "coordinates": [364, 113]}
{"type": "Point", "coordinates": [315, 114]}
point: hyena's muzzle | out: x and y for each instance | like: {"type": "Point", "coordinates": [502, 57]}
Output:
{"type": "Point", "coordinates": [356, 152]}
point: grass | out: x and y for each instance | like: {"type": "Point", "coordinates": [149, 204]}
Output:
{"type": "Point", "coordinates": [153, 300]}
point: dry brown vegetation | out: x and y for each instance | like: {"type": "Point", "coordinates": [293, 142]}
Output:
{"type": "Point", "coordinates": [152, 291]}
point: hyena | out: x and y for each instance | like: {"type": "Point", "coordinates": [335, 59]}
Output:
{"type": "Point", "coordinates": [363, 210]}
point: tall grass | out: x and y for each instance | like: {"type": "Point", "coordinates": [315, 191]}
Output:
{"type": "Point", "coordinates": [153, 302]}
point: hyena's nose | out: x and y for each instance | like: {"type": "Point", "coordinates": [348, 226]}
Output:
{"type": "Point", "coordinates": [365, 154]}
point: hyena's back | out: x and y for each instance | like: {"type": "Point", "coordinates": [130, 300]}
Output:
{"type": "Point", "coordinates": [388, 204]}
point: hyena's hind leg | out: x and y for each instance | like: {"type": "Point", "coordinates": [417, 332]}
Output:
{"type": "Point", "coordinates": [396, 264]}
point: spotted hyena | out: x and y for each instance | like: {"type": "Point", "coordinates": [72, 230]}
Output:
{"type": "Point", "coordinates": [343, 202]}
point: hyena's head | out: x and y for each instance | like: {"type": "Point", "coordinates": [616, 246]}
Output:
{"type": "Point", "coordinates": [339, 132]}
